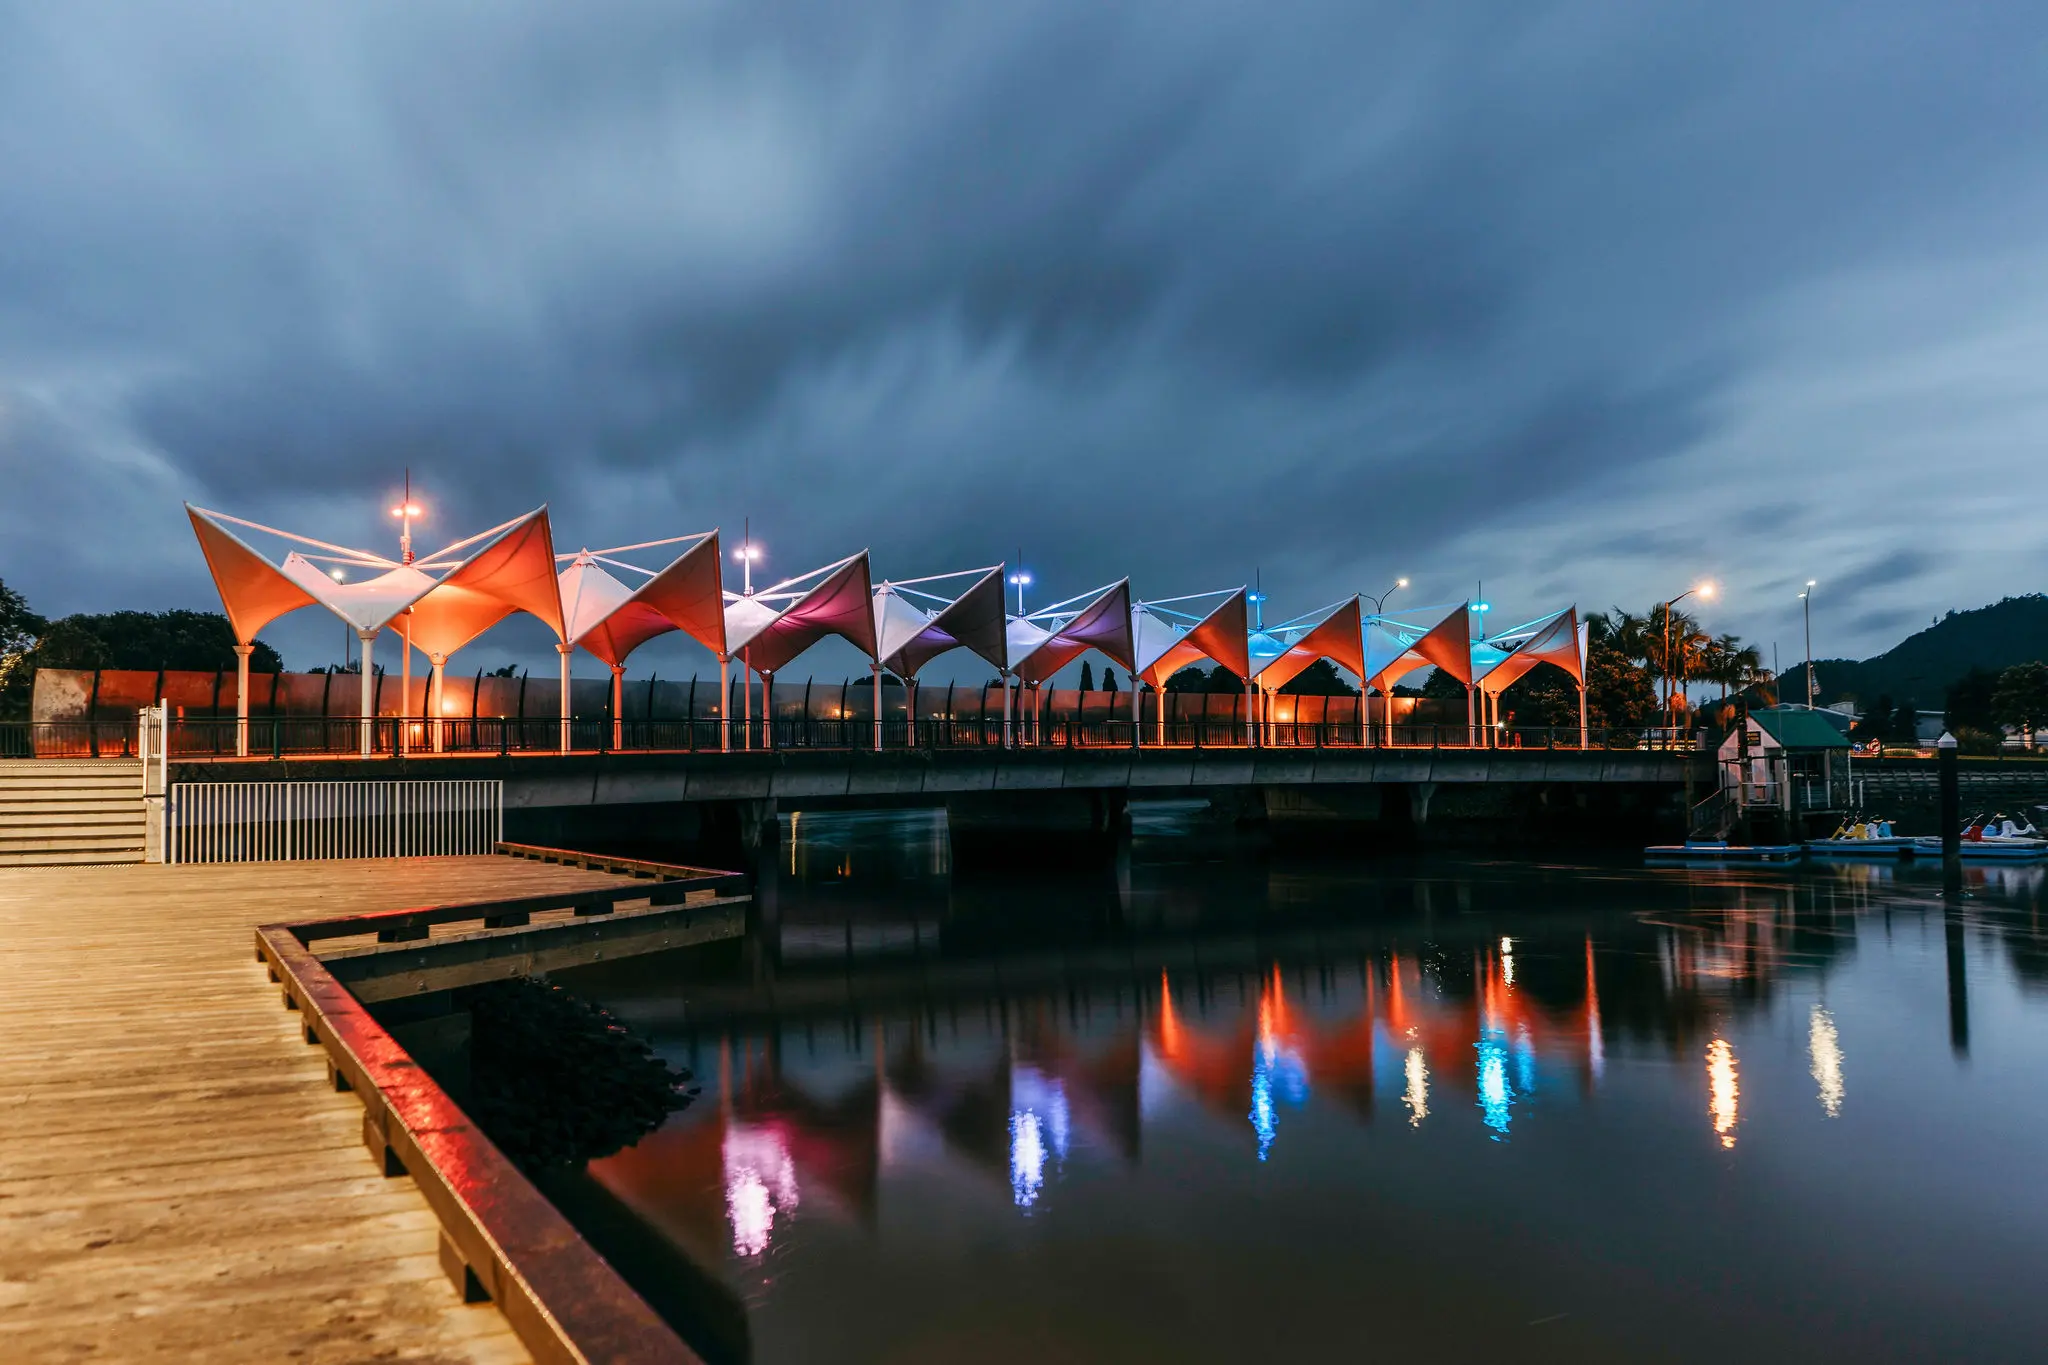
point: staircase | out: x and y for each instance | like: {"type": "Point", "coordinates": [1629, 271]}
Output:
{"type": "Point", "coordinates": [54, 811]}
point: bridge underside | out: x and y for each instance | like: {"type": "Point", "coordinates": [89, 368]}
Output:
{"type": "Point", "coordinates": [1001, 801]}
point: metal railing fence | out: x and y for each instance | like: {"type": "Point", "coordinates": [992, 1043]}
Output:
{"type": "Point", "coordinates": [249, 822]}
{"type": "Point", "coordinates": [289, 737]}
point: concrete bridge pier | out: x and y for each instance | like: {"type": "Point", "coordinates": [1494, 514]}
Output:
{"type": "Point", "coordinates": [995, 828]}
{"type": "Point", "coordinates": [717, 833]}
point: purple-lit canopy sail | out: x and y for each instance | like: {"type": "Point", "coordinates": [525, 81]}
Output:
{"type": "Point", "coordinates": [1047, 640]}
{"type": "Point", "coordinates": [777, 624]}
{"type": "Point", "coordinates": [914, 625]}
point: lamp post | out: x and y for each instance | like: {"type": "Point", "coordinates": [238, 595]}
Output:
{"type": "Point", "coordinates": [1806, 600]}
{"type": "Point", "coordinates": [348, 636]}
{"type": "Point", "coordinates": [1705, 590]}
{"type": "Point", "coordinates": [746, 555]}
{"type": "Point", "coordinates": [1379, 603]}
{"type": "Point", "coordinates": [1020, 580]}
{"type": "Point", "coordinates": [407, 512]}
{"type": "Point", "coordinates": [1379, 606]}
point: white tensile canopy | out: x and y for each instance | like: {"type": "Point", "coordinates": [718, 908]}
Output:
{"type": "Point", "coordinates": [909, 635]}
{"type": "Point", "coordinates": [611, 620]}
{"type": "Point", "coordinates": [1166, 640]}
{"type": "Point", "coordinates": [448, 598]}
{"type": "Point", "coordinates": [1336, 633]}
{"type": "Point", "coordinates": [773, 626]}
{"type": "Point", "coordinates": [1559, 638]}
{"type": "Point", "coordinates": [1394, 649]}
{"type": "Point", "coordinates": [1552, 639]}
{"type": "Point", "coordinates": [1042, 643]}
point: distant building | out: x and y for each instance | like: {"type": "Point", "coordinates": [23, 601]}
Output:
{"type": "Point", "coordinates": [1798, 759]}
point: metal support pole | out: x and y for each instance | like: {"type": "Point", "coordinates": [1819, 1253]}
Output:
{"type": "Point", "coordinates": [1951, 801]}
{"type": "Point", "coordinates": [1471, 725]}
{"type": "Point", "coordinates": [1584, 734]}
{"type": "Point", "coordinates": [767, 709]}
{"type": "Point", "coordinates": [565, 650]}
{"type": "Point", "coordinates": [876, 670]}
{"type": "Point", "coordinates": [618, 707]}
{"type": "Point", "coordinates": [405, 683]}
{"type": "Point", "coordinates": [724, 705]}
{"type": "Point", "coordinates": [369, 719]}
{"type": "Point", "coordinates": [436, 679]}
{"type": "Point", "coordinates": [1006, 709]}
{"type": "Point", "coordinates": [242, 653]}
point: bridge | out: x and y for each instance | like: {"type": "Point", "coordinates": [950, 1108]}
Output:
{"type": "Point", "coordinates": [1000, 798]}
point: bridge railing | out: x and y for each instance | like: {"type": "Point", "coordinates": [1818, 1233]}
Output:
{"type": "Point", "coordinates": [294, 736]}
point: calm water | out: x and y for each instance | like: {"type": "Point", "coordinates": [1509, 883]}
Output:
{"type": "Point", "coordinates": [1200, 1106]}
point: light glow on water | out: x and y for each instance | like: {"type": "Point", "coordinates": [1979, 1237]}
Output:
{"type": "Point", "coordinates": [760, 1182]}
{"type": "Point", "coordinates": [1027, 1158]}
{"type": "Point", "coordinates": [1825, 1046]}
{"type": "Point", "coordinates": [1416, 1096]}
{"type": "Point", "coordinates": [1496, 1095]}
{"type": "Point", "coordinates": [1722, 1090]}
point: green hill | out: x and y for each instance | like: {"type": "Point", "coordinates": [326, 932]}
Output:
{"type": "Point", "coordinates": [1920, 667]}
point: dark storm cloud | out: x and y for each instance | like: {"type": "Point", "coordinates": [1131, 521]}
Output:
{"type": "Point", "coordinates": [1168, 289]}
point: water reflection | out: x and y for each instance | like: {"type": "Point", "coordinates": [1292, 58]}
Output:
{"type": "Point", "coordinates": [918, 1080]}
{"type": "Point", "coordinates": [1722, 1090]}
{"type": "Point", "coordinates": [1825, 1047]}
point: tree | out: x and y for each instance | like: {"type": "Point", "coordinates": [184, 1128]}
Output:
{"type": "Point", "coordinates": [2021, 698]}
{"type": "Point", "coordinates": [1877, 721]}
{"type": "Point", "coordinates": [1543, 696]}
{"type": "Point", "coordinates": [1108, 678]}
{"type": "Point", "coordinates": [19, 629]}
{"type": "Point", "coordinates": [1906, 723]}
{"type": "Point", "coordinates": [1087, 676]}
{"type": "Point", "coordinates": [149, 640]}
{"type": "Point", "coordinates": [1222, 679]}
{"type": "Point", "coordinates": [1319, 679]}
{"type": "Point", "coordinates": [1189, 679]}
{"type": "Point", "coordinates": [1442, 686]}
{"type": "Point", "coordinates": [1969, 701]}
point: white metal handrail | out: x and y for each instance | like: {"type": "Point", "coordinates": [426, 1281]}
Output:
{"type": "Point", "coordinates": [250, 822]}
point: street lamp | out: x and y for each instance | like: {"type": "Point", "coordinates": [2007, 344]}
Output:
{"type": "Point", "coordinates": [746, 555]}
{"type": "Point", "coordinates": [1020, 580]}
{"type": "Point", "coordinates": [1807, 598]}
{"type": "Point", "coordinates": [407, 512]}
{"type": "Point", "coordinates": [1379, 603]}
{"type": "Point", "coordinates": [347, 636]}
{"type": "Point", "coordinates": [1705, 590]}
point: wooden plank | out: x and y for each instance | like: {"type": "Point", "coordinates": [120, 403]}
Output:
{"type": "Point", "coordinates": [178, 1179]}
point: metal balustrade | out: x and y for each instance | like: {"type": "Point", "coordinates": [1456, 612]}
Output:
{"type": "Point", "coordinates": [249, 822]}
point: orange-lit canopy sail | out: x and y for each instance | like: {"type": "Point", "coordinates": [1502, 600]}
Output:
{"type": "Point", "coordinates": [611, 620]}
{"type": "Point", "coordinates": [1394, 649]}
{"type": "Point", "coordinates": [1165, 640]}
{"type": "Point", "coordinates": [1336, 633]}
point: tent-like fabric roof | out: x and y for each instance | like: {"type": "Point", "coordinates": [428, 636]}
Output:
{"type": "Point", "coordinates": [612, 620]}
{"type": "Point", "coordinates": [1552, 639]}
{"type": "Point", "coordinates": [772, 633]}
{"type": "Point", "coordinates": [908, 637]}
{"type": "Point", "coordinates": [1038, 651]}
{"type": "Point", "coordinates": [514, 571]}
{"type": "Point", "coordinates": [1336, 633]}
{"type": "Point", "coordinates": [1163, 646]}
{"type": "Point", "coordinates": [253, 591]}
{"type": "Point", "coordinates": [1447, 644]}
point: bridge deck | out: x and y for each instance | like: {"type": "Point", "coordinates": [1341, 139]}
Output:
{"type": "Point", "coordinates": [177, 1179]}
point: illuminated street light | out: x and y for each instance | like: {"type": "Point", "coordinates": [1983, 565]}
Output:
{"type": "Point", "coordinates": [1806, 598]}
{"type": "Point", "coordinates": [747, 553]}
{"type": "Point", "coordinates": [1020, 580]}
{"type": "Point", "coordinates": [1379, 603]}
{"type": "Point", "coordinates": [1704, 590]}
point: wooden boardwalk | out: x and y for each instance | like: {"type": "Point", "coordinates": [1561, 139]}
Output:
{"type": "Point", "coordinates": [177, 1180]}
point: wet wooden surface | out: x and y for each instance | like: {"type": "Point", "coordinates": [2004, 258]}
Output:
{"type": "Point", "coordinates": [177, 1180]}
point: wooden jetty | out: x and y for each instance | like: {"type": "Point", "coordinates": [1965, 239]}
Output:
{"type": "Point", "coordinates": [179, 1179]}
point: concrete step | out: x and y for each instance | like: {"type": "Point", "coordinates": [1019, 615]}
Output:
{"type": "Point", "coordinates": [71, 858]}
{"type": "Point", "coordinates": [122, 817]}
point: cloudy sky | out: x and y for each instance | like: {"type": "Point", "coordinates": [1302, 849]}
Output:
{"type": "Point", "coordinates": [1584, 301]}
